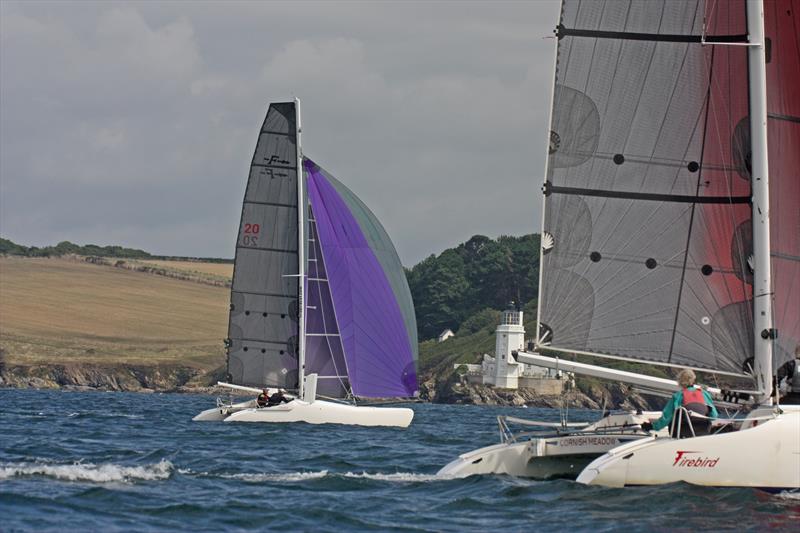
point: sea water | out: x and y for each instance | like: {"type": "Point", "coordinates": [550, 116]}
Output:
{"type": "Point", "coordinates": [122, 461]}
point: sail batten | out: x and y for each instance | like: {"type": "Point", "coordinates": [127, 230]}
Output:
{"type": "Point", "coordinates": [653, 37]}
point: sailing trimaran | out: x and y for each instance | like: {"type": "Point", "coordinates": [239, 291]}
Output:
{"type": "Point", "coordinates": [671, 227]}
{"type": "Point", "coordinates": [319, 301]}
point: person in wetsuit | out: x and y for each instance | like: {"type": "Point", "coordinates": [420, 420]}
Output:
{"type": "Point", "coordinates": [693, 399]}
{"type": "Point", "coordinates": [277, 399]}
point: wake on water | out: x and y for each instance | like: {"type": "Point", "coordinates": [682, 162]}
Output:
{"type": "Point", "coordinates": [289, 477]}
{"type": "Point", "coordinates": [102, 473]}
{"type": "Point", "coordinates": [162, 470]}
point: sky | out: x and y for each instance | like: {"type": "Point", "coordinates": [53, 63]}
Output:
{"type": "Point", "coordinates": [134, 123]}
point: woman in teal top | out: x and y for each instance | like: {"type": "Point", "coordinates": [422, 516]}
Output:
{"type": "Point", "coordinates": [691, 397]}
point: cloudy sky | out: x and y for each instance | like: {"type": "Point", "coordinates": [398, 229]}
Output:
{"type": "Point", "coordinates": [134, 123]}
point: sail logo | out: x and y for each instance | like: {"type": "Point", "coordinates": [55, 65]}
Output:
{"type": "Point", "coordinates": [682, 458]}
{"type": "Point", "coordinates": [277, 160]}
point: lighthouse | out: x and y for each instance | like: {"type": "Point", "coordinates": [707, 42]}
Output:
{"type": "Point", "coordinates": [503, 371]}
{"type": "Point", "coordinates": [509, 336]}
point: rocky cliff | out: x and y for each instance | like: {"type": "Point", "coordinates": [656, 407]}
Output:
{"type": "Point", "coordinates": [588, 394]}
{"type": "Point", "coordinates": [447, 388]}
{"type": "Point", "coordinates": [130, 378]}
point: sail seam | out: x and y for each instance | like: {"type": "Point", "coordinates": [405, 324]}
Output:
{"type": "Point", "coordinates": [264, 165]}
{"type": "Point", "coordinates": [629, 195]}
{"type": "Point", "coordinates": [779, 116]}
{"type": "Point", "coordinates": [655, 37]}
{"type": "Point", "coordinates": [274, 204]}
{"type": "Point", "coordinates": [273, 294]}
{"type": "Point", "coordinates": [281, 250]}
{"type": "Point", "coordinates": [281, 133]}
{"type": "Point", "coordinates": [262, 341]}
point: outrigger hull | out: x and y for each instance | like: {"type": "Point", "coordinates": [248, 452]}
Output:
{"type": "Point", "coordinates": [516, 459]}
{"type": "Point", "coordinates": [221, 412]}
{"type": "Point", "coordinates": [554, 454]}
{"type": "Point", "coordinates": [764, 456]}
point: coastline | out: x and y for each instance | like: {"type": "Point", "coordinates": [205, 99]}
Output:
{"type": "Point", "coordinates": [148, 379]}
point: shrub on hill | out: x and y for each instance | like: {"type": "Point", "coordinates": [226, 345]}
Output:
{"type": "Point", "coordinates": [485, 318]}
{"type": "Point", "coordinates": [480, 273]}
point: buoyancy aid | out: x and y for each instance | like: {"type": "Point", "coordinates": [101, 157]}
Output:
{"type": "Point", "coordinates": [263, 399]}
{"type": "Point", "coordinates": [693, 400]}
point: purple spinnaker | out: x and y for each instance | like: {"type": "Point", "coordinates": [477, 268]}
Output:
{"type": "Point", "coordinates": [376, 345]}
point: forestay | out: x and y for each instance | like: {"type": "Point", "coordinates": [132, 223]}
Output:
{"type": "Point", "coordinates": [647, 216]}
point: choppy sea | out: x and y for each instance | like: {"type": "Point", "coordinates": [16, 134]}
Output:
{"type": "Point", "coordinates": [119, 461]}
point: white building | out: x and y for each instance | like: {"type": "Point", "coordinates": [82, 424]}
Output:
{"type": "Point", "coordinates": [446, 334]}
{"type": "Point", "coordinates": [503, 370]}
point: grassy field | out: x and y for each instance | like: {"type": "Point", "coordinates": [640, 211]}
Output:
{"type": "Point", "coordinates": [62, 311]}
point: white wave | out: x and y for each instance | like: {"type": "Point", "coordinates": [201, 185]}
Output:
{"type": "Point", "coordinates": [397, 477]}
{"type": "Point", "coordinates": [103, 473]}
{"type": "Point", "coordinates": [401, 477]}
{"type": "Point", "coordinates": [789, 495]}
{"type": "Point", "coordinates": [285, 477]}
{"type": "Point", "coordinates": [112, 414]}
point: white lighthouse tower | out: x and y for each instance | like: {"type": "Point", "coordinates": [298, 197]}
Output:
{"type": "Point", "coordinates": [503, 371]}
{"type": "Point", "coordinates": [509, 336]}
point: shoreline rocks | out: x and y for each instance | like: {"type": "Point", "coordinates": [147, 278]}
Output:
{"type": "Point", "coordinates": [188, 380]}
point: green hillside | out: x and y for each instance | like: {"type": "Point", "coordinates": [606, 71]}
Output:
{"type": "Point", "coordinates": [451, 287]}
{"type": "Point", "coordinates": [473, 339]}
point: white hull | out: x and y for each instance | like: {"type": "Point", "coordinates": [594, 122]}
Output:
{"type": "Point", "coordinates": [765, 456]}
{"type": "Point", "coordinates": [550, 455]}
{"type": "Point", "coordinates": [316, 412]}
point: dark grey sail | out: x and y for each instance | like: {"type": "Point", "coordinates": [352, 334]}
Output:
{"type": "Point", "coordinates": [647, 215]}
{"type": "Point", "coordinates": [263, 327]}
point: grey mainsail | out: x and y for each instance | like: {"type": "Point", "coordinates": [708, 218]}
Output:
{"type": "Point", "coordinates": [263, 326]}
{"type": "Point", "coordinates": [647, 226]}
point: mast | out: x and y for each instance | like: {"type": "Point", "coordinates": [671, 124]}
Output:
{"type": "Point", "coordinates": [302, 213]}
{"type": "Point", "coordinates": [538, 334]}
{"type": "Point", "coordinates": [763, 330]}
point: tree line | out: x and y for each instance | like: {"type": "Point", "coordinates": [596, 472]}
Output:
{"type": "Point", "coordinates": [462, 285]}
{"type": "Point", "coordinates": [8, 247]}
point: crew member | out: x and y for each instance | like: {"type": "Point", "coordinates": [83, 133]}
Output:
{"type": "Point", "coordinates": [278, 398]}
{"type": "Point", "coordinates": [263, 398]}
{"type": "Point", "coordinates": [690, 397]}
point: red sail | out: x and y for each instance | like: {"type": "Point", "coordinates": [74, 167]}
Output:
{"type": "Point", "coordinates": [724, 231]}
{"type": "Point", "coordinates": [782, 27]}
